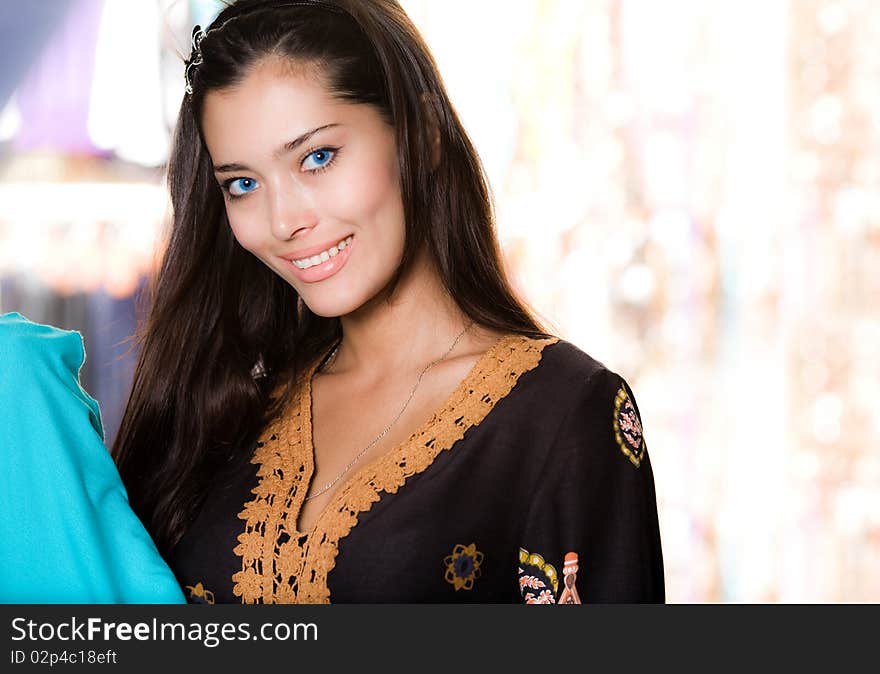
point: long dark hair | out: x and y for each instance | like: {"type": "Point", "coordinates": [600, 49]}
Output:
{"type": "Point", "coordinates": [217, 311]}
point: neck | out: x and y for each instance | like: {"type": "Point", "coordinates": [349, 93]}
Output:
{"type": "Point", "coordinates": [404, 332]}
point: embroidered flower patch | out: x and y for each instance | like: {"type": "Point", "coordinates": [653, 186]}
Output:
{"type": "Point", "coordinates": [628, 428]}
{"type": "Point", "coordinates": [198, 594]}
{"type": "Point", "coordinates": [538, 580]}
{"type": "Point", "coordinates": [463, 566]}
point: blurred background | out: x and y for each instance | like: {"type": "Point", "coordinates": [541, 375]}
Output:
{"type": "Point", "coordinates": [689, 190]}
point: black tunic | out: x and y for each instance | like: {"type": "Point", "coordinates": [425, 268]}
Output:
{"type": "Point", "coordinates": [532, 483]}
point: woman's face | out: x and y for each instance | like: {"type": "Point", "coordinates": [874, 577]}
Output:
{"type": "Point", "coordinates": [301, 173]}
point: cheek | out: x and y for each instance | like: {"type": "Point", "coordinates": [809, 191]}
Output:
{"type": "Point", "coordinates": [371, 192]}
{"type": "Point", "coordinates": [245, 232]}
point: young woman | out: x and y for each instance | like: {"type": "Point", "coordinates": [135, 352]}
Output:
{"type": "Point", "coordinates": [339, 398]}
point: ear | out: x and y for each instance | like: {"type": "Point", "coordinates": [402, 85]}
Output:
{"type": "Point", "coordinates": [430, 106]}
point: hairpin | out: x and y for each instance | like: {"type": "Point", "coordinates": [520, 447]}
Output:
{"type": "Point", "coordinates": [195, 57]}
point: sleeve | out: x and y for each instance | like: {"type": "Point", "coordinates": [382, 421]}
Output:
{"type": "Point", "coordinates": [67, 533]}
{"type": "Point", "coordinates": [591, 534]}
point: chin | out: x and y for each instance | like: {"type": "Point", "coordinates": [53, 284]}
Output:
{"type": "Point", "coordinates": [327, 311]}
{"type": "Point", "coordinates": [331, 305]}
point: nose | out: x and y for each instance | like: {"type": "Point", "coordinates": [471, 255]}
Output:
{"type": "Point", "coordinates": [291, 212]}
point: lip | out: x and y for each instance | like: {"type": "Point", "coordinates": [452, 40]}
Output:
{"type": "Point", "coordinates": [314, 250]}
{"type": "Point", "coordinates": [320, 271]}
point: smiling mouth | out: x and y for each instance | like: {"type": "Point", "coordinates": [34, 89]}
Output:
{"type": "Point", "coordinates": [323, 256]}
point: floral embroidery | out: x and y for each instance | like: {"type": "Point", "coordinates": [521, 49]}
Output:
{"type": "Point", "coordinates": [536, 574]}
{"type": "Point", "coordinates": [543, 597]}
{"type": "Point", "coordinates": [530, 582]}
{"type": "Point", "coordinates": [463, 566]}
{"type": "Point", "coordinates": [628, 428]}
{"type": "Point", "coordinates": [569, 574]}
{"type": "Point", "coordinates": [199, 594]}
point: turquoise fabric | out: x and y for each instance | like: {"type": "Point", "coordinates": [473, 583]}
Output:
{"type": "Point", "coordinates": [67, 533]}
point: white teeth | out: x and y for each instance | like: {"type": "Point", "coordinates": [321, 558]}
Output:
{"type": "Point", "coordinates": [333, 251]}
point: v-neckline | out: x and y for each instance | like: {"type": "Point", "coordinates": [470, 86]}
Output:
{"type": "Point", "coordinates": [305, 403]}
{"type": "Point", "coordinates": [282, 564]}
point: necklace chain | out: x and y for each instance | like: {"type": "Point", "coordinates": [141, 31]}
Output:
{"type": "Point", "coordinates": [360, 454]}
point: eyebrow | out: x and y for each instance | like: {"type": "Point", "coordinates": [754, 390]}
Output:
{"type": "Point", "coordinates": [284, 149]}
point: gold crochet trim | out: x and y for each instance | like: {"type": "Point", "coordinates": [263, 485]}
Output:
{"type": "Point", "coordinates": [280, 564]}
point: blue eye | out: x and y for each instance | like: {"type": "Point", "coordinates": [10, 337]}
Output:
{"type": "Point", "coordinates": [245, 185]}
{"type": "Point", "coordinates": [318, 159]}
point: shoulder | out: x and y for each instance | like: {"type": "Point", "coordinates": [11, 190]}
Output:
{"type": "Point", "coordinates": [40, 368]}
{"type": "Point", "coordinates": [588, 399]}
{"type": "Point", "coordinates": [566, 368]}
{"type": "Point", "coordinates": [561, 358]}
{"type": "Point", "coordinates": [25, 344]}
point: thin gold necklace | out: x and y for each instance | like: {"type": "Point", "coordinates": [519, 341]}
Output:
{"type": "Point", "coordinates": [360, 454]}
